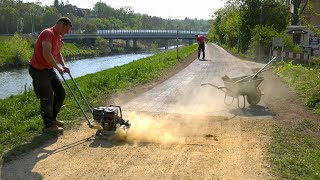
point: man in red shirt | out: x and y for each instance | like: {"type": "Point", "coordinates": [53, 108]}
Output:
{"type": "Point", "coordinates": [201, 44]}
{"type": "Point", "coordinates": [46, 83]}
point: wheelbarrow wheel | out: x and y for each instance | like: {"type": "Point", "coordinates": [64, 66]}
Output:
{"type": "Point", "coordinates": [254, 97]}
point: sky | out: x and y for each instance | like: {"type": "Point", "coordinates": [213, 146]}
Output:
{"type": "Point", "coordinates": [174, 9]}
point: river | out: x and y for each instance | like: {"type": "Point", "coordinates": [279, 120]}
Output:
{"type": "Point", "coordinates": [14, 82]}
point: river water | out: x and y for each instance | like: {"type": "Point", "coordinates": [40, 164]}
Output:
{"type": "Point", "coordinates": [14, 82]}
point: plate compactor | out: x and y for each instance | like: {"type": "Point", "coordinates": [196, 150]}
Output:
{"type": "Point", "coordinates": [109, 119]}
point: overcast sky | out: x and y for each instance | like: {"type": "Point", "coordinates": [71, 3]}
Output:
{"type": "Point", "coordinates": [202, 9]}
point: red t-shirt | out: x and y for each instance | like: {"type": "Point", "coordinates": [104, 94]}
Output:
{"type": "Point", "coordinates": [38, 60]}
{"type": "Point", "coordinates": [200, 39]}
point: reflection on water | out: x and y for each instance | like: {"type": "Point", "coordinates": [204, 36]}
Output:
{"type": "Point", "coordinates": [13, 82]}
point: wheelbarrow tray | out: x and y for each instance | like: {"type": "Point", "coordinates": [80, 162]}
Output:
{"type": "Point", "coordinates": [241, 85]}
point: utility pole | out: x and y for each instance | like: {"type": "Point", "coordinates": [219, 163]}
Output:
{"type": "Point", "coordinates": [177, 42]}
{"type": "Point", "coordinates": [241, 4]}
{"type": "Point", "coordinates": [260, 33]}
{"type": "Point", "coordinates": [259, 47]}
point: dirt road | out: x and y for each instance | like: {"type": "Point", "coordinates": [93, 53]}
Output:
{"type": "Point", "coordinates": [180, 130]}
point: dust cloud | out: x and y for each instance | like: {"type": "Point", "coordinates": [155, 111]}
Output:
{"type": "Point", "coordinates": [165, 128]}
{"type": "Point", "coordinates": [150, 129]}
{"type": "Point", "coordinates": [176, 115]}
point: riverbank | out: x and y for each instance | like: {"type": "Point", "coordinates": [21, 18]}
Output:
{"type": "Point", "coordinates": [15, 81]}
{"type": "Point", "coordinates": [16, 51]}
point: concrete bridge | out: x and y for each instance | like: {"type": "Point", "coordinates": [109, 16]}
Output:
{"type": "Point", "coordinates": [135, 35]}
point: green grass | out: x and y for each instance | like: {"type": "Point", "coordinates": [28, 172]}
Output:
{"type": "Point", "coordinates": [71, 50]}
{"type": "Point", "coordinates": [295, 153]}
{"type": "Point", "coordinates": [16, 51]}
{"type": "Point", "coordinates": [20, 119]}
{"type": "Point", "coordinates": [5, 53]}
{"type": "Point", "coordinates": [305, 80]}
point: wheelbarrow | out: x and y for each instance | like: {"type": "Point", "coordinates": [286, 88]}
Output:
{"type": "Point", "coordinates": [245, 86]}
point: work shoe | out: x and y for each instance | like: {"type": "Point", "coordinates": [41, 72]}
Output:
{"type": "Point", "coordinates": [58, 123]}
{"type": "Point", "coordinates": [54, 129]}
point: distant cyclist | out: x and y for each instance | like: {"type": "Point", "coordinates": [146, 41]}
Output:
{"type": "Point", "coordinates": [201, 45]}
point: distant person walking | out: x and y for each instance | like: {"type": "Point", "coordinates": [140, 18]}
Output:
{"type": "Point", "coordinates": [46, 83]}
{"type": "Point", "coordinates": [201, 44]}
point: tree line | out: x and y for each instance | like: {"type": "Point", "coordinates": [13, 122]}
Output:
{"type": "Point", "coordinates": [17, 16]}
{"type": "Point", "coordinates": [248, 26]}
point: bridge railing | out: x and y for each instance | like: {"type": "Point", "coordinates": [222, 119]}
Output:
{"type": "Point", "coordinates": [143, 31]}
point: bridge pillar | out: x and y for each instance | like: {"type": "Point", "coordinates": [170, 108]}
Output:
{"type": "Point", "coordinates": [111, 43]}
{"type": "Point", "coordinates": [167, 45]}
{"type": "Point", "coordinates": [135, 44]}
{"type": "Point", "coordinates": [127, 43]}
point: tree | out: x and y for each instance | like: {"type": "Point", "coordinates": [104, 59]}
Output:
{"type": "Point", "coordinates": [56, 3]}
{"type": "Point", "coordinates": [295, 16]}
{"type": "Point", "coordinates": [8, 19]}
{"type": "Point", "coordinates": [50, 16]}
{"type": "Point", "coordinates": [36, 17]}
{"type": "Point", "coordinates": [90, 27]}
{"type": "Point", "coordinates": [102, 10]}
{"type": "Point", "coordinates": [102, 45]}
{"type": "Point", "coordinates": [234, 24]}
{"type": "Point", "coordinates": [310, 7]}
{"type": "Point", "coordinates": [262, 13]}
{"type": "Point", "coordinates": [7, 3]}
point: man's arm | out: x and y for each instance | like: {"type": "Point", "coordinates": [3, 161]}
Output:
{"type": "Point", "coordinates": [61, 61]}
{"type": "Point", "coordinates": [46, 51]}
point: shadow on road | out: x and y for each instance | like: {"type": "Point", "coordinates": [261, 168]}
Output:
{"type": "Point", "coordinates": [204, 60]}
{"type": "Point", "coordinates": [15, 170]}
{"type": "Point", "coordinates": [250, 111]}
{"type": "Point", "coordinates": [105, 142]}
{"type": "Point", "coordinates": [35, 151]}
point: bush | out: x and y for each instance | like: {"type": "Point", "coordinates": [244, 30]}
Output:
{"type": "Point", "coordinates": [20, 50]}
{"type": "Point", "coordinates": [102, 45]}
{"type": "Point", "coordinates": [315, 61]}
{"type": "Point", "coordinates": [267, 34]}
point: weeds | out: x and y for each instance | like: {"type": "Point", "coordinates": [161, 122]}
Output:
{"type": "Point", "coordinates": [295, 153]}
{"type": "Point", "coordinates": [305, 80]}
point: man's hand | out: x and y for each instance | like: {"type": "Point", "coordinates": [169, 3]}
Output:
{"type": "Point", "coordinates": [60, 70]}
{"type": "Point", "coordinates": [66, 69]}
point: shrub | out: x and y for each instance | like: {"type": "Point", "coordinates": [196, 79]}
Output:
{"type": "Point", "coordinates": [20, 49]}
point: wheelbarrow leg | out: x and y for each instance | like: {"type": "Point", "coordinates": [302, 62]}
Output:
{"type": "Point", "coordinates": [225, 100]}
{"type": "Point", "coordinates": [244, 102]}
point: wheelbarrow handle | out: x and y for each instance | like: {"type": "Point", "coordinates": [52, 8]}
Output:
{"type": "Point", "coordinates": [218, 87]}
{"type": "Point", "coordinates": [249, 76]}
{"type": "Point", "coordinates": [274, 58]}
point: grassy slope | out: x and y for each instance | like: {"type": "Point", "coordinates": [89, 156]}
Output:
{"type": "Point", "coordinates": [9, 47]}
{"type": "Point", "coordinates": [295, 152]}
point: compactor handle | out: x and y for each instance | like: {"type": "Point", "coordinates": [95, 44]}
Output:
{"type": "Point", "coordinates": [91, 124]}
